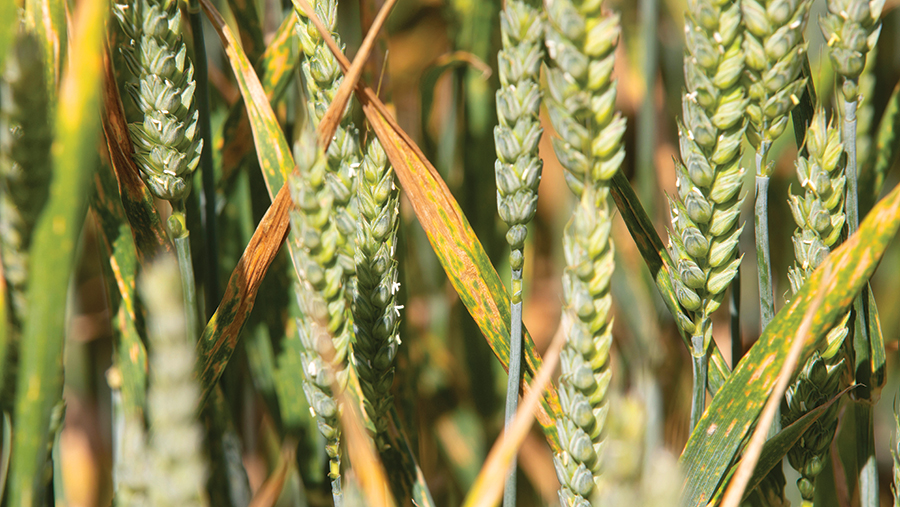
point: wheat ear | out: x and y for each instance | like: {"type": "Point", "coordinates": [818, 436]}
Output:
{"type": "Point", "coordinates": [706, 224]}
{"type": "Point", "coordinates": [178, 468]}
{"type": "Point", "coordinates": [325, 324]}
{"type": "Point", "coordinates": [581, 43]}
{"type": "Point", "coordinates": [166, 139]}
{"type": "Point", "coordinates": [518, 167]}
{"type": "Point", "coordinates": [820, 218]}
{"type": "Point", "coordinates": [322, 77]}
{"type": "Point", "coordinates": [25, 169]}
{"type": "Point", "coordinates": [375, 309]}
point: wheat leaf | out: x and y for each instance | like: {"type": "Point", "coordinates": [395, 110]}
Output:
{"type": "Point", "coordinates": [730, 417]}
{"type": "Point", "coordinates": [40, 381]}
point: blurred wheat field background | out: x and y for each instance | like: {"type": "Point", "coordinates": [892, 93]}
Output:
{"type": "Point", "coordinates": [239, 270]}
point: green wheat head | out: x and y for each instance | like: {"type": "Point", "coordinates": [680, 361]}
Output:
{"type": "Point", "coordinates": [851, 29]}
{"type": "Point", "coordinates": [325, 326]}
{"type": "Point", "coordinates": [819, 213]}
{"type": "Point", "coordinates": [706, 213]}
{"type": "Point", "coordinates": [518, 167]}
{"type": "Point", "coordinates": [774, 51]}
{"type": "Point", "coordinates": [166, 139]}
{"type": "Point", "coordinates": [375, 309]}
{"type": "Point", "coordinates": [322, 77]}
{"type": "Point", "coordinates": [581, 43]}
{"type": "Point", "coordinates": [820, 219]}
{"type": "Point", "coordinates": [25, 171]}
{"type": "Point", "coordinates": [25, 165]}
{"type": "Point", "coordinates": [179, 469]}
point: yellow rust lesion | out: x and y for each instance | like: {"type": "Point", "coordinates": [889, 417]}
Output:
{"type": "Point", "coordinates": [731, 427]}
{"type": "Point", "coordinates": [761, 369]}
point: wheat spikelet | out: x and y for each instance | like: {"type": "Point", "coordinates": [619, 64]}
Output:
{"type": "Point", "coordinates": [166, 139]}
{"type": "Point", "coordinates": [179, 471]}
{"type": "Point", "coordinates": [325, 326]}
{"type": "Point", "coordinates": [705, 215]}
{"type": "Point", "coordinates": [820, 218]}
{"type": "Point", "coordinates": [819, 213]}
{"type": "Point", "coordinates": [581, 43]}
{"type": "Point", "coordinates": [375, 309]}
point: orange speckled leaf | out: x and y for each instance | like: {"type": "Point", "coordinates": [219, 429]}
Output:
{"type": "Point", "coordinates": [730, 418]}
{"type": "Point", "coordinates": [275, 67]}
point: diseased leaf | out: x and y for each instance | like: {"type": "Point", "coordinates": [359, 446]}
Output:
{"type": "Point", "coordinates": [732, 414]}
{"type": "Point", "coordinates": [275, 67]}
{"type": "Point", "coordinates": [247, 19]}
{"type": "Point", "coordinates": [130, 355]}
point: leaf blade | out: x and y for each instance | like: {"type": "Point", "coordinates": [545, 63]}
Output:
{"type": "Point", "coordinates": [730, 417]}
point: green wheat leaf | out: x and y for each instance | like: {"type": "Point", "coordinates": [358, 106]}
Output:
{"type": "Point", "coordinates": [56, 234]}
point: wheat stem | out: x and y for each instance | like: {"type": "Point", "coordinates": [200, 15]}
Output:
{"type": "Point", "coordinates": [700, 363]}
{"type": "Point", "coordinates": [848, 134]}
{"type": "Point", "coordinates": [734, 313]}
